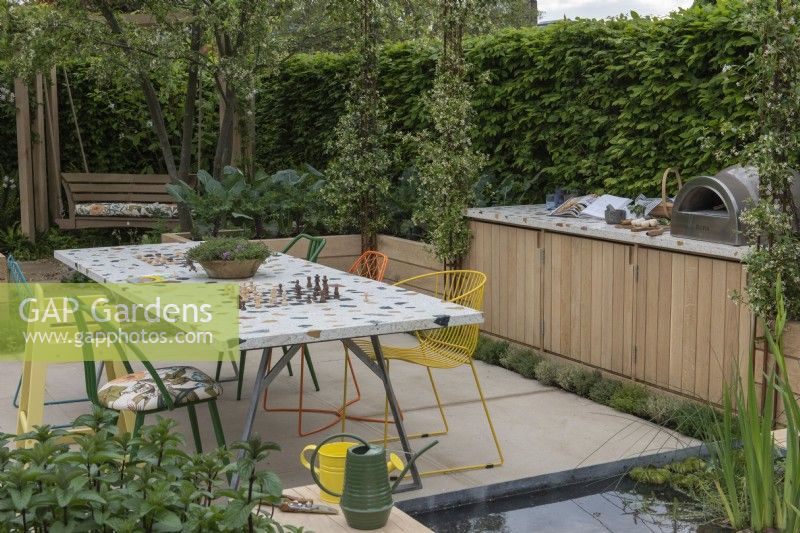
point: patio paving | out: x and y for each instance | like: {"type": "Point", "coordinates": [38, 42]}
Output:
{"type": "Point", "coordinates": [542, 429]}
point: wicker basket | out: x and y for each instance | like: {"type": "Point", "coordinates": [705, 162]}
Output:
{"type": "Point", "coordinates": [664, 209]}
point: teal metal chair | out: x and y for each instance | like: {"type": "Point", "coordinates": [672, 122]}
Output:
{"type": "Point", "coordinates": [16, 276]}
{"type": "Point", "coordinates": [153, 391]}
{"type": "Point", "coordinates": [315, 247]}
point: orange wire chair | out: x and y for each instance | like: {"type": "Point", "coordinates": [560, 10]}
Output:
{"type": "Point", "coordinates": [444, 348]}
{"type": "Point", "coordinates": [370, 264]}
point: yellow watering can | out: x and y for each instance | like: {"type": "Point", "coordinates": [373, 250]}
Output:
{"type": "Point", "coordinates": [331, 465]}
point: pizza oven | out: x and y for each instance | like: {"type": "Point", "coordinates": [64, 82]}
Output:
{"type": "Point", "coordinates": [707, 208]}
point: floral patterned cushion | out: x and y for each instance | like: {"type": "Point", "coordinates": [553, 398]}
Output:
{"type": "Point", "coordinates": [127, 209]}
{"type": "Point", "coordinates": [139, 392]}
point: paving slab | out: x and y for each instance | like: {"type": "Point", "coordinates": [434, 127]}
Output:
{"type": "Point", "coordinates": [542, 429]}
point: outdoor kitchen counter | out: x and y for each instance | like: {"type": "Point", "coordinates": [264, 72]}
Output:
{"type": "Point", "coordinates": [535, 217]}
{"type": "Point", "coordinates": [657, 310]}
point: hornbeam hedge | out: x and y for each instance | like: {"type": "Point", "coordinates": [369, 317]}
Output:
{"type": "Point", "coordinates": [585, 104]}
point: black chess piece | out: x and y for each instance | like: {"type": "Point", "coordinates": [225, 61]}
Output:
{"type": "Point", "coordinates": [316, 282]}
{"type": "Point", "coordinates": [308, 298]}
{"type": "Point", "coordinates": [308, 282]}
{"type": "Point", "coordinates": [336, 291]}
{"type": "Point", "coordinates": [324, 281]}
{"type": "Point", "coordinates": [280, 289]}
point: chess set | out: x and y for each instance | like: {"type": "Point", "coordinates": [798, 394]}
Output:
{"type": "Point", "coordinates": [159, 259]}
{"type": "Point", "coordinates": [264, 297]}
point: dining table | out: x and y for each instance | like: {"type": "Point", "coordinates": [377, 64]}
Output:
{"type": "Point", "coordinates": [354, 308]}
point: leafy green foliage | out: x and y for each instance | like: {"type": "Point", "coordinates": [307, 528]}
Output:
{"type": "Point", "coordinates": [522, 361]}
{"type": "Point", "coordinates": [576, 380]}
{"type": "Point", "coordinates": [284, 203]}
{"type": "Point", "coordinates": [111, 482]}
{"type": "Point", "coordinates": [756, 488]}
{"type": "Point", "coordinates": [582, 104]}
{"type": "Point", "coordinates": [630, 399]}
{"type": "Point", "coordinates": [357, 186]}
{"type": "Point", "coordinates": [490, 351]}
{"type": "Point", "coordinates": [215, 200]}
{"type": "Point", "coordinates": [228, 249]}
{"type": "Point", "coordinates": [774, 222]}
{"type": "Point", "coordinates": [602, 391]}
{"type": "Point", "coordinates": [448, 165]}
{"type": "Point", "coordinates": [9, 200]}
{"type": "Point", "coordinates": [547, 372]}
{"type": "Point", "coordinates": [684, 416]}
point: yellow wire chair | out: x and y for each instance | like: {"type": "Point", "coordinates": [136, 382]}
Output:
{"type": "Point", "coordinates": [444, 348]}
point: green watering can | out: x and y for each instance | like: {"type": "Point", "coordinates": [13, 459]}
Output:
{"type": "Point", "coordinates": [366, 499]}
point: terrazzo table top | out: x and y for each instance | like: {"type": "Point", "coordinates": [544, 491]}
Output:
{"type": "Point", "coordinates": [536, 217]}
{"type": "Point", "coordinates": [364, 307]}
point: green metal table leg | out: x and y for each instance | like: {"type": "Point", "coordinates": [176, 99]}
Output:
{"type": "Point", "coordinates": [240, 380]}
{"type": "Point", "coordinates": [215, 421]}
{"type": "Point", "coordinates": [198, 444]}
{"type": "Point", "coordinates": [307, 355]}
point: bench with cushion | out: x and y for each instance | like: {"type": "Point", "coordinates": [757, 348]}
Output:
{"type": "Point", "coordinates": [117, 200]}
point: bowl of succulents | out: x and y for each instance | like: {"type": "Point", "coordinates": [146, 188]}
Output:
{"type": "Point", "coordinates": [228, 258]}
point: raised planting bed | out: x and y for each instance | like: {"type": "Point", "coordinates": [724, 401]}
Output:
{"type": "Point", "coordinates": [406, 258]}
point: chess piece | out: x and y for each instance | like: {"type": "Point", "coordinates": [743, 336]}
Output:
{"type": "Point", "coordinates": [273, 293]}
{"type": "Point", "coordinates": [242, 306]}
{"type": "Point", "coordinates": [366, 297]}
{"type": "Point", "coordinates": [336, 291]}
{"type": "Point", "coordinates": [280, 289]}
{"type": "Point", "coordinates": [308, 298]}
{"type": "Point", "coordinates": [308, 282]}
{"type": "Point", "coordinates": [316, 282]}
{"type": "Point", "coordinates": [324, 282]}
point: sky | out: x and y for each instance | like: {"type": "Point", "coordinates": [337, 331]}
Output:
{"type": "Point", "coordinates": [557, 9]}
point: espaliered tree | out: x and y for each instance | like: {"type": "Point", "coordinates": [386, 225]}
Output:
{"type": "Point", "coordinates": [358, 175]}
{"type": "Point", "coordinates": [448, 165]}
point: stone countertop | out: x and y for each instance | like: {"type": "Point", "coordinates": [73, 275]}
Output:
{"type": "Point", "coordinates": [536, 217]}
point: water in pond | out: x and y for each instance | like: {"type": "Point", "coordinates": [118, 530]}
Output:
{"type": "Point", "coordinates": [617, 505]}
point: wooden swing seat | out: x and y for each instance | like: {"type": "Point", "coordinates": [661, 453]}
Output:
{"type": "Point", "coordinates": [89, 196]}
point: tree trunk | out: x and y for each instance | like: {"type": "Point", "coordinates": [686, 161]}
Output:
{"type": "Point", "coordinates": [187, 128]}
{"type": "Point", "coordinates": [222, 155]}
{"type": "Point", "coordinates": [153, 105]}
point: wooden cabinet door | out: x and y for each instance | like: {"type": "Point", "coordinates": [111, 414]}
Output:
{"type": "Point", "coordinates": [690, 335]}
{"type": "Point", "coordinates": [512, 261]}
{"type": "Point", "coordinates": [588, 300]}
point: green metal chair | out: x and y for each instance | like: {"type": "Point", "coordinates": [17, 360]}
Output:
{"type": "Point", "coordinates": [315, 247]}
{"type": "Point", "coordinates": [15, 275]}
{"type": "Point", "coordinates": [153, 391]}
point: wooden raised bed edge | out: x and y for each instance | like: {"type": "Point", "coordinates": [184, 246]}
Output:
{"type": "Point", "coordinates": [406, 258]}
